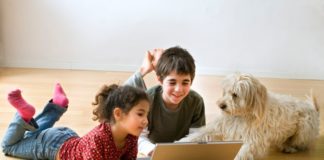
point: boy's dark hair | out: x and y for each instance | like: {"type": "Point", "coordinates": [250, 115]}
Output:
{"type": "Point", "coordinates": [113, 96]}
{"type": "Point", "coordinates": [176, 59]}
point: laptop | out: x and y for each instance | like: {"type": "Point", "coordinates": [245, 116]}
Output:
{"type": "Point", "coordinates": [222, 150]}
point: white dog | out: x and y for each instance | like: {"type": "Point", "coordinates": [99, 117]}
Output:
{"type": "Point", "coordinates": [260, 119]}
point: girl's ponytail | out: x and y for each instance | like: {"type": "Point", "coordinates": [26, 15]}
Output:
{"type": "Point", "coordinates": [100, 102]}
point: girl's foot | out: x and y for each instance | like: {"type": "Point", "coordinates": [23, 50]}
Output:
{"type": "Point", "coordinates": [25, 110]}
{"type": "Point", "coordinates": [59, 97]}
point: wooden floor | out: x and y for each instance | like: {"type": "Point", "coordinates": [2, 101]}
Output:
{"type": "Point", "coordinates": [81, 86]}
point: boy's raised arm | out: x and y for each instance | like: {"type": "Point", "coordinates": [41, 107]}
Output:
{"type": "Point", "coordinates": [149, 63]}
{"type": "Point", "coordinates": [136, 80]}
{"type": "Point", "coordinates": [150, 60]}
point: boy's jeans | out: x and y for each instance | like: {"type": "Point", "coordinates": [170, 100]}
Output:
{"type": "Point", "coordinates": [36, 140]}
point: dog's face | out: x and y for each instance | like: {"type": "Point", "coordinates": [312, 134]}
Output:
{"type": "Point", "coordinates": [243, 95]}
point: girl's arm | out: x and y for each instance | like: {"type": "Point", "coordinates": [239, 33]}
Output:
{"type": "Point", "coordinates": [145, 146]}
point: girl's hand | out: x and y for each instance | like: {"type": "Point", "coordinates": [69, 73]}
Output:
{"type": "Point", "coordinates": [151, 153]}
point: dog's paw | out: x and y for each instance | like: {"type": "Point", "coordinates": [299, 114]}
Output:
{"type": "Point", "coordinates": [289, 149]}
{"type": "Point", "coordinates": [244, 157]}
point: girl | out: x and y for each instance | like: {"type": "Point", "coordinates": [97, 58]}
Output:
{"type": "Point", "coordinates": [122, 113]}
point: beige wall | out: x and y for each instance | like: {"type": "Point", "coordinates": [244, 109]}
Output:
{"type": "Point", "coordinates": [277, 38]}
{"type": "Point", "coordinates": [1, 37]}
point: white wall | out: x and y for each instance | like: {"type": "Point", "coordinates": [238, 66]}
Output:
{"type": "Point", "coordinates": [271, 38]}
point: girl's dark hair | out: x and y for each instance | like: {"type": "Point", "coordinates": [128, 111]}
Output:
{"type": "Point", "coordinates": [176, 59]}
{"type": "Point", "coordinates": [110, 97]}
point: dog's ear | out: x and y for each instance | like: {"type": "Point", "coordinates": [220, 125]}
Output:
{"type": "Point", "coordinates": [259, 98]}
{"type": "Point", "coordinates": [255, 94]}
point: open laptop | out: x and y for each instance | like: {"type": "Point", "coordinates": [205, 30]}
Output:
{"type": "Point", "coordinates": [222, 150]}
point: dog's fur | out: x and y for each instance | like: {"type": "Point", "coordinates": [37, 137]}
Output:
{"type": "Point", "coordinates": [260, 119]}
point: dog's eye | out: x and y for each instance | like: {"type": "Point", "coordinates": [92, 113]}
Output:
{"type": "Point", "coordinates": [234, 95]}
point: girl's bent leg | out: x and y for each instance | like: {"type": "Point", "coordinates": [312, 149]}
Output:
{"type": "Point", "coordinates": [48, 117]}
{"type": "Point", "coordinates": [52, 139]}
{"type": "Point", "coordinates": [39, 144]}
{"type": "Point", "coordinates": [14, 142]}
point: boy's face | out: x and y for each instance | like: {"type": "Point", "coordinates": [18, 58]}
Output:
{"type": "Point", "coordinates": [175, 88]}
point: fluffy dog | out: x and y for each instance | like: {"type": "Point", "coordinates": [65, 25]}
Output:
{"type": "Point", "coordinates": [260, 119]}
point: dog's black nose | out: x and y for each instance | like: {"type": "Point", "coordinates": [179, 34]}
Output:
{"type": "Point", "coordinates": [222, 105]}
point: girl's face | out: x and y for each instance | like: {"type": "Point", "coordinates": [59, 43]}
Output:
{"type": "Point", "coordinates": [175, 88]}
{"type": "Point", "coordinates": [136, 119]}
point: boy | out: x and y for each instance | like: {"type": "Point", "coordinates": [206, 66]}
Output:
{"type": "Point", "coordinates": [174, 109]}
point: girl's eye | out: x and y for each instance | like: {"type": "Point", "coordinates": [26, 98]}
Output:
{"type": "Point", "coordinates": [140, 114]}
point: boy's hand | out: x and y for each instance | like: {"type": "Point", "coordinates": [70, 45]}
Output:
{"type": "Point", "coordinates": [150, 60]}
{"type": "Point", "coordinates": [156, 54]}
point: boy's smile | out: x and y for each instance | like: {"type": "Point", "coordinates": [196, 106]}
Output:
{"type": "Point", "coordinates": [175, 88]}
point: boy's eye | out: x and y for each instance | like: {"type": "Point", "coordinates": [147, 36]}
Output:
{"type": "Point", "coordinates": [140, 114]}
{"type": "Point", "coordinates": [185, 83]}
{"type": "Point", "coordinates": [172, 83]}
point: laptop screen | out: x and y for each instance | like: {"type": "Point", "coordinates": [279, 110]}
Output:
{"type": "Point", "coordinates": [223, 150]}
